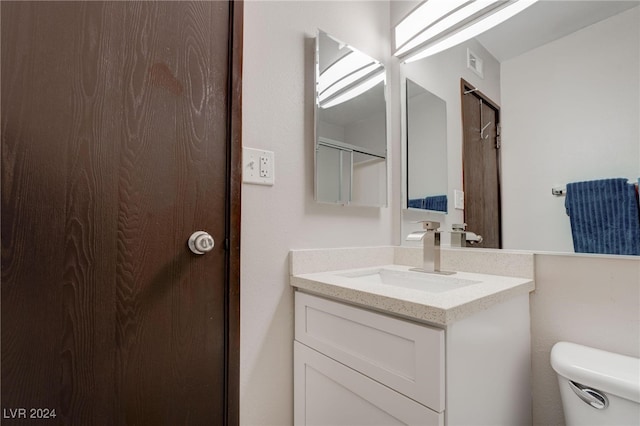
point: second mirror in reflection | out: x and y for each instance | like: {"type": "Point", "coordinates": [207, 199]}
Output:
{"type": "Point", "coordinates": [426, 130]}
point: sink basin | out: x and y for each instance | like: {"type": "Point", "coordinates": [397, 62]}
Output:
{"type": "Point", "coordinates": [430, 283]}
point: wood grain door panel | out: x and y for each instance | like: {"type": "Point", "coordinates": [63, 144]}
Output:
{"type": "Point", "coordinates": [115, 144]}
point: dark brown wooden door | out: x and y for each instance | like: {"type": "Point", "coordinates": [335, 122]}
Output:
{"type": "Point", "coordinates": [117, 144]}
{"type": "Point", "coordinates": [481, 166]}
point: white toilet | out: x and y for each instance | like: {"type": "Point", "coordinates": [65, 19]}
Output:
{"type": "Point", "coordinates": [597, 387]}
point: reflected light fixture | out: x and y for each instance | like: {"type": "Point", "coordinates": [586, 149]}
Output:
{"type": "Point", "coordinates": [348, 77]}
{"type": "Point", "coordinates": [346, 65]}
{"type": "Point", "coordinates": [469, 20]}
{"type": "Point", "coordinates": [355, 90]}
{"type": "Point", "coordinates": [347, 80]}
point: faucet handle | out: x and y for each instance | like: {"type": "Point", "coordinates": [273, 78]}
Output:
{"type": "Point", "coordinates": [474, 238]}
{"type": "Point", "coordinates": [458, 227]}
{"type": "Point", "coordinates": [430, 225]}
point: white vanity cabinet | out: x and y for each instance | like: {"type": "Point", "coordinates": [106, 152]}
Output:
{"type": "Point", "coordinates": [331, 393]}
{"type": "Point", "coordinates": [355, 366]}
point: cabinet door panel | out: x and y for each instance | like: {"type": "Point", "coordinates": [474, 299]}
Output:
{"type": "Point", "coordinates": [328, 393]}
{"type": "Point", "coordinates": [406, 356]}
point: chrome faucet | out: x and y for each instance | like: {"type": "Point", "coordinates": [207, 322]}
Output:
{"type": "Point", "coordinates": [460, 237]}
{"type": "Point", "coordinates": [430, 236]}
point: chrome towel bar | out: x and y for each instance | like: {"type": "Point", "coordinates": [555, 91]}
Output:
{"type": "Point", "coordinates": [561, 192]}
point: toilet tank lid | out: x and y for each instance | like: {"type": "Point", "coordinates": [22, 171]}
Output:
{"type": "Point", "coordinates": [606, 371]}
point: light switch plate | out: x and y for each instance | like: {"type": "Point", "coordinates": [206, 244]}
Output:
{"type": "Point", "coordinates": [258, 166]}
{"type": "Point", "coordinates": [458, 199]}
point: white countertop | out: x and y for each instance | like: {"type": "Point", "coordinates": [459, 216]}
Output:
{"type": "Point", "coordinates": [439, 308]}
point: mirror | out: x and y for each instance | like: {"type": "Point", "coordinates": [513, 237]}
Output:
{"type": "Point", "coordinates": [351, 125]}
{"type": "Point", "coordinates": [426, 149]}
{"type": "Point", "coordinates": [565, 76]}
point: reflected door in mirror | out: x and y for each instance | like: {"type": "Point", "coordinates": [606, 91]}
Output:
{"type": "Point", "coordinates": [481, 166]}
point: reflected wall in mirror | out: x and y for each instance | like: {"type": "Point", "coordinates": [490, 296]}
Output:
{"type": "Point", "coordinates": [565, 75]}
{"type": "Point", "coordinates": [351, 125]}
{"type": "Point", "coordinates": [426, 150]}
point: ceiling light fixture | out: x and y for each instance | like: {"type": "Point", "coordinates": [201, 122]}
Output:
{"type": "Point", "coordinates": [422, 17]}
{"type": "Point", "coordinates": [444, 24]}
{"type": "Point", "coordinates": [433, 44]}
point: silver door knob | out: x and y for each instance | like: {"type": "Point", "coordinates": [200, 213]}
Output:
{"type": "Point", "coordinates": [200, 242]}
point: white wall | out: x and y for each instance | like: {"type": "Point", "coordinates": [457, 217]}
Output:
{"type": "Point", "coordinates": [278, 116]}
{"type": "Point", "coordinates": [591, 300]}
{"type": "Point", "coordinates": [570, 112]}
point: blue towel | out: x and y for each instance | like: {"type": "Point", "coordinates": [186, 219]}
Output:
{"type": "Point", "coordinates": [604, 216]}
{"type": "Point", "coordinates": [416, 203]}
{"type": "Point", "coordinates": [437, 203]}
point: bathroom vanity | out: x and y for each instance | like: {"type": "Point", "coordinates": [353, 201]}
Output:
{"type": "Point", "coordinates": [378, 344]}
